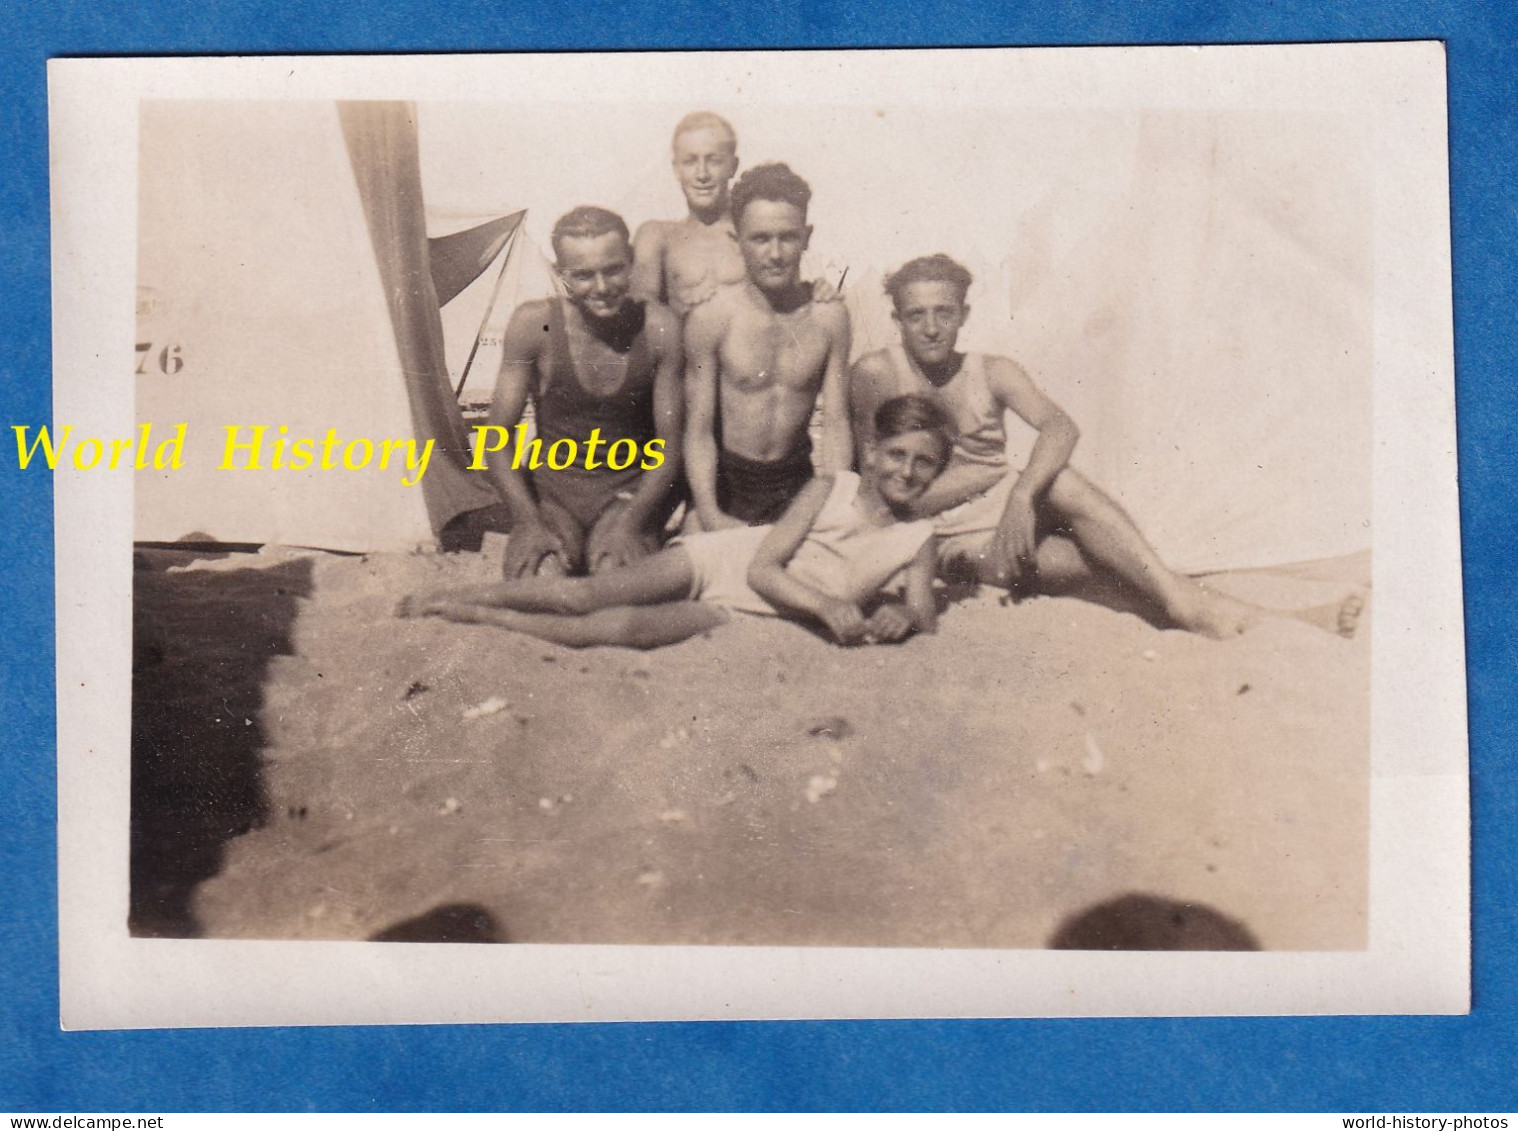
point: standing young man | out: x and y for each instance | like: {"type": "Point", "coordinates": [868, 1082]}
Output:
{"type": "Point", "coordinates": [759, 356]}
{"type": "Point", "coordinates": [683, 262]}
{"type": "Point", "coordinates": [598, 366]}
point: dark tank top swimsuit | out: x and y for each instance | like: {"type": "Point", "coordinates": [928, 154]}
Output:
{"type": "Point", "coordinates": [566, 410]}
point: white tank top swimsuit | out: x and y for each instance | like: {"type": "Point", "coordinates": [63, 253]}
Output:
{"type": "Point", "coordinates": [967, 398]}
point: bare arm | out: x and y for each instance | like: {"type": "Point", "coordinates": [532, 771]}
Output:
{"type": "Point", "coordinates": [837, 441]}
{"type": "Point", "coordinates": [1015, 541]}
{"type": "Point", "coordinates": [863, 399]}
{"type": "Point", "coordinates": [920, 574]}
{"type": "Point", "coordinates": [531, 541]}
{"type": "Point", "coordinates": [1057, 433]}
{"type": "Point", "coordinates": [960, 482]}
{"type": "Point", "coordinates": [768, 577]}
{"type": "Point", "coordinates": [519, 354]}
{"type": "Point", "coordinates": [890, 622]}
{"type": "Point", "coordinates": [703, 334]}
{"type": "Point", "coordinates": [648, 262]}
{"type": "Point", "coordinates": [669, 415]}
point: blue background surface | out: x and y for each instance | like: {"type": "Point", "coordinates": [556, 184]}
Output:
{"type": "Point", "coordinates": [1396, 1064]}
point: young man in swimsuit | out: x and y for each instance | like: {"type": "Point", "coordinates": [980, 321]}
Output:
{"type": "Point", "coordinates": [758, 358]}
{"type": "Point", "coordinates": [683, 262]}
{"type": "Point", "coordinates": [597, 365]}
{"type": "Point", "coordinates": [843, 540]}
{"type": "Point", "coordinates": [1045, 525]}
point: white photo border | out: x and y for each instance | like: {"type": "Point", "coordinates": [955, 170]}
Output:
{"type": "Point", "coordinates": [1417, 960]}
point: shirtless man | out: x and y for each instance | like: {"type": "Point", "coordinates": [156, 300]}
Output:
{"type": "Point", "coordinates": [683, 262]}
{"type": "Point", "coordinates": [596, 362]}
{"type": "Point", "coordinates": [1045, 525]}
{"type": "Point", "coordinates": [758, 356]}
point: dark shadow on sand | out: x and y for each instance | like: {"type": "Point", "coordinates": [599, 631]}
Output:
{"type": "Point", "coordinates": [1149, 922]}
{"type": "Point", "coordinates": [202, 641]}
{"type": "Point", "coordinates": [449, 923]}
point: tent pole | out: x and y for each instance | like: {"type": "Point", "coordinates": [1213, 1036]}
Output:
{"type": "Point", "coordinates": [495, 296]}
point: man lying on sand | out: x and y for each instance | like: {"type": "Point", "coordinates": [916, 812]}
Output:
{"type": "Point", "coordinates": [596, 361]}
{"type": "Point", "coordinates": [758, 357]}
{"type": "Point", "coordinates": [1045, 526]}
{"type": "Point", "coordinates": [842, 540]}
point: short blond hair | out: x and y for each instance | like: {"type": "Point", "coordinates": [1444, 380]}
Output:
{"type": "Point", "coordinates": [704, 120]}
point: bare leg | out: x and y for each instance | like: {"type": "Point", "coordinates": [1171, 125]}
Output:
{"type": "Point", "coordinates": [1108, 538]}
{"type": "Point", "coordinates": [650, 626]}
{"type": "Point", "coordinates": [657, 579]}
{"type": "Point", "coordinates": [1060, 565]}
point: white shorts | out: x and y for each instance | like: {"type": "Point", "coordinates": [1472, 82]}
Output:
{"type": "Point", "coordinates": [965, 531]}
{"type": "Point", "coordinates": [719, 567]}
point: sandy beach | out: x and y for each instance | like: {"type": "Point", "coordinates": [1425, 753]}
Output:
{"type": "Point", "coordinates": [307, 766]}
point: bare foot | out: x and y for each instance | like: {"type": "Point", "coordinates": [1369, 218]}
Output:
{"type": "Point", "coordinates": [1349, 615]}
{"type": "Point", "coordinates": [1214, 615]}
{"type": "Point", "coordinates": [1342, 618]}
{"type": "Point", "coordinates": [419, 605]}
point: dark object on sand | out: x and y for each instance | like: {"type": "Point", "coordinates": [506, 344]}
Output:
{"type": "Point", "coordinates": [1148, 922]}
{"type": "Point", "coordinates": [452, 922]}
{"type": "Point", "coordinates": [835, 727]}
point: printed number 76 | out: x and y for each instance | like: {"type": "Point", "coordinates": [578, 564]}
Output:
{"type": "Point", "coordinates": [169, 360]}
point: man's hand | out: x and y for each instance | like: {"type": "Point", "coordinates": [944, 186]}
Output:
{"type": "Point", "coordinates": [888, 624]}
{"type": "Point", "coordinates": [617, 544]}
{"type": "Point", "coordinates": [529, 544]}
{"type": "Point", "coordinates": [824, 291]}
{"type": "Point", "coordinates": [843, 620]}
{"type": "Point", "coordinates": [1015, 543]}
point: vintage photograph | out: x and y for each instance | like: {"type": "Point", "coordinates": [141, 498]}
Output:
{"type": "Point", "coordinates": [763, 512]}
{"type": "Point", "coordinates": [1005, 581]}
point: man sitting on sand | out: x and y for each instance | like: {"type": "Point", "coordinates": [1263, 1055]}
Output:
{"type": "Point", "coordinates": [844, 539]}
{"type": "Point", "coordinates": [597, 366]}
{"type": "Point", "coordinates": [1046, 525]}
{"type": "Point", "coordinates": [758, 356]}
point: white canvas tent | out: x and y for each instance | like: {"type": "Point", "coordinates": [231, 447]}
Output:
{"type": "Point", "coordinates": [1197, 296]}
{"type": "Point", "coordinates": [285, 283]}
{"type": "Point", "coordinates": [1193, 286]}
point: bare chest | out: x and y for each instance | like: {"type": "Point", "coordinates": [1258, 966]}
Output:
{"type": "Point", "coordinates": [702, 259]}
{"type": "Point", "coordinates": [765, 351]}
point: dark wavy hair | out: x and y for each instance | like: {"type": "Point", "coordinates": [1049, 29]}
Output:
{"type": "Point", "coordinates": [929, 269]}
{"type": "Point", "coordinates": [588, 222]}
{"type": "Point", "coordinates": [913, 412]}
{"type": "Point", "coordinates": [775, 182]}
